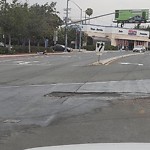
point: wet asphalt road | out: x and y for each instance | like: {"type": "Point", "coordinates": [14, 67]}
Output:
{"type": "Point", "coordinates": [65, 99]}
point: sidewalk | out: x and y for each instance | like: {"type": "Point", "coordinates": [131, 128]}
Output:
{"type": "Point", "coordinates": [27, 55]}
{"type": "Point", "coordinates": [17, 55]}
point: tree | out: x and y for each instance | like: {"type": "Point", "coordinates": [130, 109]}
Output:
{"type": "Point", "coordinates": [18, 20]}
{"type": "Point", "coordinates": [12, 18]}
{"type": "Point", "coordinates": [89, 12]}
{"type": "Point", "coordinates": [71, 35]}
{"type": "Point", "coordinates": [43, 20]}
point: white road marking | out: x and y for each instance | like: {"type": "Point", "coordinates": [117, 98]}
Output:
{"type": "Point", "coordinates": [77, 65]}
{"type": "Point", "coordinates": [66, 56]}
{"type": "Point", "coordinates": [7, 87]}
{"type": "Point", "coordinates": [35, 61]}
{"type": "Point", "coordinates": [11, 121]}
{"type": "Point", "coordinates": [28, 63]}
{"type": "Point", "coordinates": [42, 64]}
{"type": "Point", "coordinates": [22, 62]}
{"type": "Point", "coordinates": [127, 63]}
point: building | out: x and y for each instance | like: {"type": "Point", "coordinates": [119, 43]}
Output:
{"type": "Point", "coordinates": [120, 37]}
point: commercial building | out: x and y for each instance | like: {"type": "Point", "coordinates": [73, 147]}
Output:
{"type": "Point", "coordinates": [121, 37]}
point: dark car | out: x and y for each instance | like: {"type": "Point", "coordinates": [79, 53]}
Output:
{"type": "Point", "coordinates": [61, 48]}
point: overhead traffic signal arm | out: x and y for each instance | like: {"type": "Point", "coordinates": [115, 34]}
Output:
{"type": "Point", "coordinates": [91, 18]}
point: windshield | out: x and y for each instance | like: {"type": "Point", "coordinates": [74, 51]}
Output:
{"type": "Point", "coordinates": [70, 73]}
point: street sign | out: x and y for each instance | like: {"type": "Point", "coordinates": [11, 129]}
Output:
{"type": "Point", "coordinates": [100, 48]}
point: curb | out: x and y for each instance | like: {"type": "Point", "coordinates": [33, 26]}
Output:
{"type": "Point", "coordinates": [12, 56]}
{"type": "Point", "coordinates": [30, 55]}
{"type": "Point", "coordinates": [110, 60]}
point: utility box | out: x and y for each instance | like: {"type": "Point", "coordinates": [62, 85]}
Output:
{"type": "Point", "coordinates": [100, 46]}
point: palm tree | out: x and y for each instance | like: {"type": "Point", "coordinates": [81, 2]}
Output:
{"type": "Point", "coordinates": [89, 12]}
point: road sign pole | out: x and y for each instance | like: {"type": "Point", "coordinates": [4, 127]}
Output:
{"type": "Point", "coordinates": [98, 58]}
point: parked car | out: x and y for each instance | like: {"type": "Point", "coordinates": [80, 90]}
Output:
{"type": "Point", "coordinates": [139, 48]}
{"type": "Point", "coordinates": [61, 48]}
{"type": "Point", "coordinates": [3, 45]}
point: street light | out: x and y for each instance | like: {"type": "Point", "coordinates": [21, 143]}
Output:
{"type": "Point", "coordinates": [79, 8]}
{"type": "Point", "coordinates": [66, 22]}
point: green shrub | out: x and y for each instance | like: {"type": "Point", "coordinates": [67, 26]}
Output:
{"type": "Point", "coordinates": [89, 47]}
{"type": "Point", "coordinates": [111, 47]}
{"type": "Point", "coordinates": [34, 49]}
{"type": "Point", "coordinates": [5, 51]}
{"type": "Point", "coordinates": [107, 47]}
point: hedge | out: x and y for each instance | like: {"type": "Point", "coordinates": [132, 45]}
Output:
{"type": "Point", "coordinates": [93, 47]}
{"type": "Point", "coordinates": [23, 49]}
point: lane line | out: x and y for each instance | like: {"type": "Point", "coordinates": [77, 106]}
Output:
{"type": "Point", "coordinates": [128, 63]}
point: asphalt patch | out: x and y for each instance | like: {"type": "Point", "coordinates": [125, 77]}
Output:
{"type": "Point", "coordinates": [82, 94]}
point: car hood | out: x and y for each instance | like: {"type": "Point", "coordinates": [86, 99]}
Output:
{"type": "Point", "coordinates": [101, 146]}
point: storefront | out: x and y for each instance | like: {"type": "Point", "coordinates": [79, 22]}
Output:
{"type": "Point", "coordinates": [129, 38]}
{"type": "Point", "coordinates": [121, 37]}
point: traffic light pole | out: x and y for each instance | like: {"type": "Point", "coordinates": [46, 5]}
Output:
{"type": "Point", "coordinates": [66, 25]}
{"type": "Point", "coordinates": [91, 18]}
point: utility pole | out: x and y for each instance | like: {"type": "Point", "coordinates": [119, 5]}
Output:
{"type": "Point", "coordinates": [66, 27]}
{"type": "Point", "coordinates": [4, 35]}
{"type": "Point", "coordinates": [80, 31]}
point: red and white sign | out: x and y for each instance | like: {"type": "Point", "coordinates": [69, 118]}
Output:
{"type": "Point", "coordinates": [132, 32]}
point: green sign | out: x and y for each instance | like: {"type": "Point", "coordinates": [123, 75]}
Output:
{"type": "Point", "coordinates": [132, 16]}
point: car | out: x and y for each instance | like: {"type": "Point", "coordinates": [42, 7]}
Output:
{"type": "Point", "coordinates": [61, 48]}
{"type": "Point", "coordinates": [5, 45]}
{"type": "Point", "coordinates": [139, 48]}
{"type": "Point", "coordinates": [1, 44]}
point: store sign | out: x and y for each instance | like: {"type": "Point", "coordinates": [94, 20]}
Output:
{"type": "Point", "coordinates": [132, 32]}
{"type": "Point", "coordinates": [143, 33]}
{"type": "Point", "coordinates": [120, 31]}
{"type": "Point", "coordinates": [99, 29]}
{"type": "Point", "coordinates": [92, 28]}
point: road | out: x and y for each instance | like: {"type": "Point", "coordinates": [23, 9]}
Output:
{"type": "Point", "coordinates": [68, 99]}
{"type": "Point", "coordinates": [67, 68]}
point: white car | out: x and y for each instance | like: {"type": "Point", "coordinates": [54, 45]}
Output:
{"type": "Point", "coordinates": [139, 48]}
{"type": "Point", "coordinates": [3, 45]}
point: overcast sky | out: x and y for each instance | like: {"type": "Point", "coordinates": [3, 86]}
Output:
{"type": "Point", "coordinates": [99, 7]}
